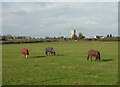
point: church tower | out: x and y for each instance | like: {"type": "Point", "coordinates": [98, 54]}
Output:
{"type": "Point", "coordinates": [72, 33]}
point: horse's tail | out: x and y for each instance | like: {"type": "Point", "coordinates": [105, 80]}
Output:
{"type": "Point", "coordinates": [54, 53]}
{"type": "Point", "coordinates": [99, 55]}
{"type": "Point", "coordinates": [27, 51]}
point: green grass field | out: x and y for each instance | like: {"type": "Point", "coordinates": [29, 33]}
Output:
{"type": "Point", "coordinates": [68, 67]}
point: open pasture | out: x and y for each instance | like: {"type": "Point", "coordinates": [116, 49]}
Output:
{"type": "Point", "coordinates": [68, 67]}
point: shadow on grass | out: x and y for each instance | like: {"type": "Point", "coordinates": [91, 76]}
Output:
{"type": "Point", "coordinates": [38, 56]}
{"type": "Point", "coordinates": [106, 60]}
{"type": "Point", "coordinates": [46, 56]}
{"type": "Point", "coordinates": [59, 55]}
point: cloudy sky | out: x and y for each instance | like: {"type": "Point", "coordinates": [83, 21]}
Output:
{"type": "Point", "coordinates": [42, 19]}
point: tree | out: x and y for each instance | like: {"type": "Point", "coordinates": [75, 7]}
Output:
{"type": "Point", "coordinates": [81, 36]}
{"type": "Point", "coordinates": [4, 38]}
{"type": "Point", "coordinates": [74, 37]}
{"type": "Point", "coordinates": [110, 35]}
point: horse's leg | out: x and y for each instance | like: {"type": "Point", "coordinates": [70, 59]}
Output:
{"type": "Point", "coordinates": [46, 53]}
{"type": "Point", "coordinates": [96, 58]}
{"type": "Point", "coordinates": [49, 53]}
{"type": "Point", "coordinates": [91, 58]}
{"type": "Point", "coordinates": [52, 53]}
{"type": "Point", "coordinates": [88, 57]}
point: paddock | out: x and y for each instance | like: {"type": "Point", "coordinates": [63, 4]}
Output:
{"type": "Point", "coordinates": [68, 67]}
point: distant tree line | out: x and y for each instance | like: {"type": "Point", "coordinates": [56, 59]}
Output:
{"type": "Point", "coordinates": [80, 36]}
{"type": "Point", "coordinates": [28, 39]}
{"type": "Point", "coordinates": [108, 37]}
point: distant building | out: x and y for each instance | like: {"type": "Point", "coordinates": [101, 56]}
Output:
{"type": "Point", "coordinates": [72, 33]}
{"type": "Point", "coordinates": [99, 37]}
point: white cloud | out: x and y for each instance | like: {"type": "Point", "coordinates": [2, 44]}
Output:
{"type": "Point", "coordinates": [91, 22]}
{"type": "Point", "coordinates": [61, 0]}
{"type": "Point", "coordinates": [51, 18]}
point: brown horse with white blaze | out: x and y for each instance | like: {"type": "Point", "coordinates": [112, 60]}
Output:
{"type": "Point", "coordinates": [93, 53]}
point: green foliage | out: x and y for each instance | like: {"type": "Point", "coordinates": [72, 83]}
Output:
{"type": "Point", "coordinates": [74, 37]}
{"type": "Point", "coordinates": [68, 67]}
{"type": "Point", "coordinates": [110, 39]}
{"type": "Point", "coordinates": [109, 35]}
{"type": "Point", "coordinates": [81, 36]}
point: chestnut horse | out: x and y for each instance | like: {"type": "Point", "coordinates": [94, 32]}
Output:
{"type": "Point", "coordinates": [93, 53]}
{"type": "Point", "coordinates": [25, 52]}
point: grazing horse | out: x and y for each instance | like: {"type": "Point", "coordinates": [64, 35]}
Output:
{"type": "Point", "coordinates": [93, 53]}
{"type": "Point", "coordinates": [49, 50]}
{"type": "Point", "coordinates": [25, 52]}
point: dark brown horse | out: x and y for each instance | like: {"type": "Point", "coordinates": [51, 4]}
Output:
{"type": "Point", "coordinates": [93, 53]}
